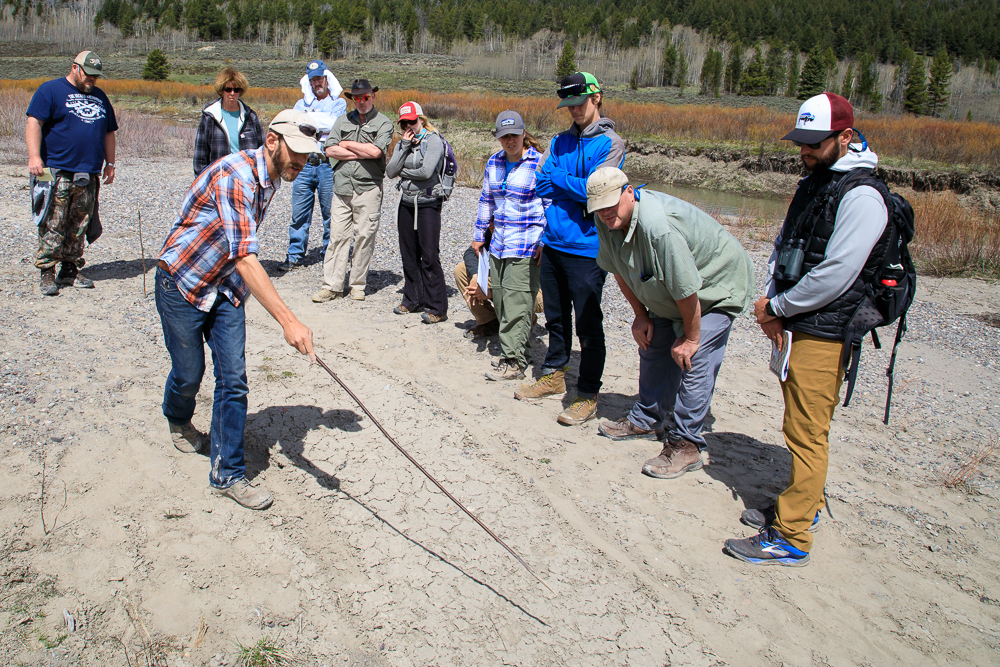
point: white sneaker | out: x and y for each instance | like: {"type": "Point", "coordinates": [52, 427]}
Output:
{"type": "Point", "coordinates": [358, 294]}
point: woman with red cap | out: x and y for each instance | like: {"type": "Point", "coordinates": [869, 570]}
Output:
{"type": "Point", "coordinates": [417, 161]}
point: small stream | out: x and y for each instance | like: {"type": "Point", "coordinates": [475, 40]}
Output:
{"type": "Point", "coordinates": [726, 203]}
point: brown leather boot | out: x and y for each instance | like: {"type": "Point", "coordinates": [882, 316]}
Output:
{"type": "Point", "coordinates": [676, 459]}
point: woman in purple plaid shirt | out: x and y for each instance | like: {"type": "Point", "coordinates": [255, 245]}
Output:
{"type": "Point", "coordinates": [517, 214]}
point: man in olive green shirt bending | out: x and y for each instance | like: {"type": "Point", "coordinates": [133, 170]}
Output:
{"type": "Point", "coordinates": [356, 148]}
{"type": "Point", "coordinates": [687, 279]}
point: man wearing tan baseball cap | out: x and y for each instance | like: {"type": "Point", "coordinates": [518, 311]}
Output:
{"type": "Point", "coordinates": [687, 279]}
{"type": "Point", "coordinates": [207, 270]}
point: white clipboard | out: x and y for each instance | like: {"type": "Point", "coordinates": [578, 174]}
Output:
{"type": "Point", "coordinates": [483, 274]}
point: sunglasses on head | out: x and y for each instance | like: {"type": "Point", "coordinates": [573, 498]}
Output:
{"type": "Point", "coordinates": [575, 90]}
{"type": "Point", "coordinates": [815, 146]}
{"type": "Point", "coordinates": [231, 89]}
{"type": "Point", "coordinates": [307, 130]}
{"type": "Point", "coordinates": [362, 98]}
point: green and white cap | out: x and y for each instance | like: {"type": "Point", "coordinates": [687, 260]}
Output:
{"type": "Point", "coordinates": [576, 88]}
{"type": "Point", "coordinates": [89, 62]}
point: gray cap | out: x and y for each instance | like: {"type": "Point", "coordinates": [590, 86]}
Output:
{"type": "Point", "coordinates": [509, 122]}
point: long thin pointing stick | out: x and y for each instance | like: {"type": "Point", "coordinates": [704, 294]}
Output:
{"type": "Point", "coordinates": [429, 476]}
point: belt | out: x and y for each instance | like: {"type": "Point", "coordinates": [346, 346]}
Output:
{"type": "Point", "coordinates": [316, 159]}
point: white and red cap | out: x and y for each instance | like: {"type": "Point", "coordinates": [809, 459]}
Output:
{"type": "Point", "coordinates": [410, 111]}
{"type": "Point", "coordinates": [821, 116]}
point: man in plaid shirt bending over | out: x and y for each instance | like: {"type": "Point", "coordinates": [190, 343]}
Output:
{"type": "Point", "coordinates": [207, 268]}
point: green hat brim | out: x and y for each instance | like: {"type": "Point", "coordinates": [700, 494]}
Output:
{"type": "Point", "coordinates": [91, 71]}
{"type": "Point", "coordinates": [573, 101]}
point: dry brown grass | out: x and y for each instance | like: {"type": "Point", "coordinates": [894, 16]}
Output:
{"type": "Point", "coordinates": [960, 476]}
{"type": "Point", "coordinates": [909, 138]}
{"type": "Point", "coordinates": [954, 240]}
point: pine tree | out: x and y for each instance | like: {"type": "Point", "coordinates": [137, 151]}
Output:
{"type": "Point", "coordinates": [633, 81]}
{"type": "Point", "coordinates": [847, 89]}
{"type": "Point", "coordinates": [734, 69]}
{"type": "Point", "coordinates": [753, 82]}
{"type": "Point", "coordinates": [792, 89]}
{"type": "Point", "coordinates": [915, 100]}
{"type": "Point", "coordinates": [813, 75]}
{"type": "Point", "coordinates": [866, 86]}
{"type": "Point", "coordinates": [669, 64]}
{"type": "Point", "coordinates": [157, 68]}
{"type": "Point", "coordinates": [681, 73]}
{"type": "Point", "coordinates": [940, 79]}
{"type": "Point", "coordinates": [775, 68]}
{"type": "Point", "coordinates": [968, 116]}
{"type": "Point", "coordinates": [905, 64]}
{"type": "Point", "coordinates": [830, 62]}
{"type": "Point", "coordinates": [567, 61]}
{"type": "Point", "coordinates": [711, 73]}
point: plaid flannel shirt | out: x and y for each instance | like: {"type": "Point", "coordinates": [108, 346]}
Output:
{"type": "Point", "coordinates": [216, 226]}
{"type": "Point", "coordinates": [509, 200]}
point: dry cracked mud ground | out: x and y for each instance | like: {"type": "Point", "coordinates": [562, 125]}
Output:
{"type": "Point", "coordinates": [360, 561]}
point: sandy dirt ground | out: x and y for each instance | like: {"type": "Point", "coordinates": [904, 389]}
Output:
{"type": "Point", "coordinates": [360, 561]}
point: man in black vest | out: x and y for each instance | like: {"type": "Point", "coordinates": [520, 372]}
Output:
{"type": "Point", "coordinates": [831, 243]}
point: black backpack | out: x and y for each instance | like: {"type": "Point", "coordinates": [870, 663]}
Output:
{"type": "Point", "coordinates": [890, 291]}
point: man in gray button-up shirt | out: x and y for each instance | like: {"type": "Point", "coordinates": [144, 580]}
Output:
{"type": "Point", "coordinates": [356, 148]}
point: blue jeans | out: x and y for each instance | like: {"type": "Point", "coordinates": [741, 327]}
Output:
{"type": "Point", "coordinates": [310, 179]}
{"type": "Point", "coordinates": [571, 283]}
{"type": "Point", "coordinates": [663, 386]}
{"type": "Point", "coordinates": [185, 330]}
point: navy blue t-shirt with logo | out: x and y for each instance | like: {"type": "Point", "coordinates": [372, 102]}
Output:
{"type": "Point", "coordinates": [74, 125]}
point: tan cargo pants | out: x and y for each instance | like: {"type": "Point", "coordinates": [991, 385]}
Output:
{"type": "Point", "coordinates": [355, 217]}
{"type": "Point", "coordinates": [811, 391]}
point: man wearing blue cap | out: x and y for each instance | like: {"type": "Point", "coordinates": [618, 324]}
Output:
{"type": "Point", "coordinates": [322, 102]}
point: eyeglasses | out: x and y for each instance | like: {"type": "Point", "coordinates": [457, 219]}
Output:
{"type": "Point", "coordinates": [362, 98]}
{"type": "Point", "coordinates": [815, 146]}
{"type": "Point", "coordinates": [574, 90]}
{"type": "Point", "coordinates": [306, 130]}
{"type": "Point", "coordinates": [230, 89]}
{"type": "Point", "coordinates": [407, 123]}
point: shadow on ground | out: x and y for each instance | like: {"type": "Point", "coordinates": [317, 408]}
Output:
{"type": "Point", "coordinates": [754, 471]}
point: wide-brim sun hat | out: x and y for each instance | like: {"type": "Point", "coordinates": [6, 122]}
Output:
{"type": "Point", "coordinates": [819, 117]}
{"type": "Point", "coordinates": [360, 87]}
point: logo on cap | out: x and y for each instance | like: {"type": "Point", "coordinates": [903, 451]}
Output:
{"type": "Point", "coordinates": [506, 122]}
{"type": "Point", "coordinates": [806, 117]}
{"type": "Point", "coordinates": [405, 109]}
{"type": "Point", "coordinates": [313, 65]}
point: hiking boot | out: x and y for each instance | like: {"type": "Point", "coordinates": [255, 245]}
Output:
{"type": "Point", "coordinates": [69, 275]}
{"type": "Point", "coordinates": [251, 497]}
{"type": "Point", "coordinates": [491, 328]}
{"type": "Point", "coordinates": [287, 266]}
{"type": "Point", "coordinates": [676, 459]}
{"type": "Point", "coordinates": [549, 385]}
{"type": "Point", "coordinates": [358, 294]}
{"type": "Point", "coordinates": [433, 318]}
{"type": "Point", "coordinates": [579, 411]}
{"type": "Point", "coordinates": [48, 285]}
{"type": "Point", "coordinates": [187, 438]}
{"type": "Point", "coordinates": [508, 369]}
{"type": "Point", "coordinates": [403, 310]}
{"type": "Point", "coordinates": [758, 519]}
{"type": "Point", "coordinates": [325, 294]}
{"type": "Point", "coordinates": [624, 429]}
{"type": "Point", "coordinates": [768, 547]}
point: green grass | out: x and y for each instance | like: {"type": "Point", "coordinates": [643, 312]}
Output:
{"type": "Point", "coordinates": [265, 653]}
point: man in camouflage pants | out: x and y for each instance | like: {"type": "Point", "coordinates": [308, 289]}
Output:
{"type": "Point", "coordinates": [70, 132]}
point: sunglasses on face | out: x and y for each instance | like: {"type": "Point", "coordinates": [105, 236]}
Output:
{"type": "Point", "coordinates": [575, 90]}
{"type": "Point", "coordinates": [230, 89]}
{"type": "Point", "coordinates": [407, 123]}
{"type": "Point", "coordinates": [362, 98]}
{"type": "Point", "coordinates": [307, 130]}
{"type": "Point", "coordinates": [815, 146]}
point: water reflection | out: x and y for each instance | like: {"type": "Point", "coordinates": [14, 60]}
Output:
{"type": "Point", "coordinates": [726, 203]}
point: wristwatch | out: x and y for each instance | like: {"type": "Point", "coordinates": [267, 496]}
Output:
{"type": "Point", "coordinates": [110, 164]}
{"type": "Point", "coordinates": [769, 310]}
